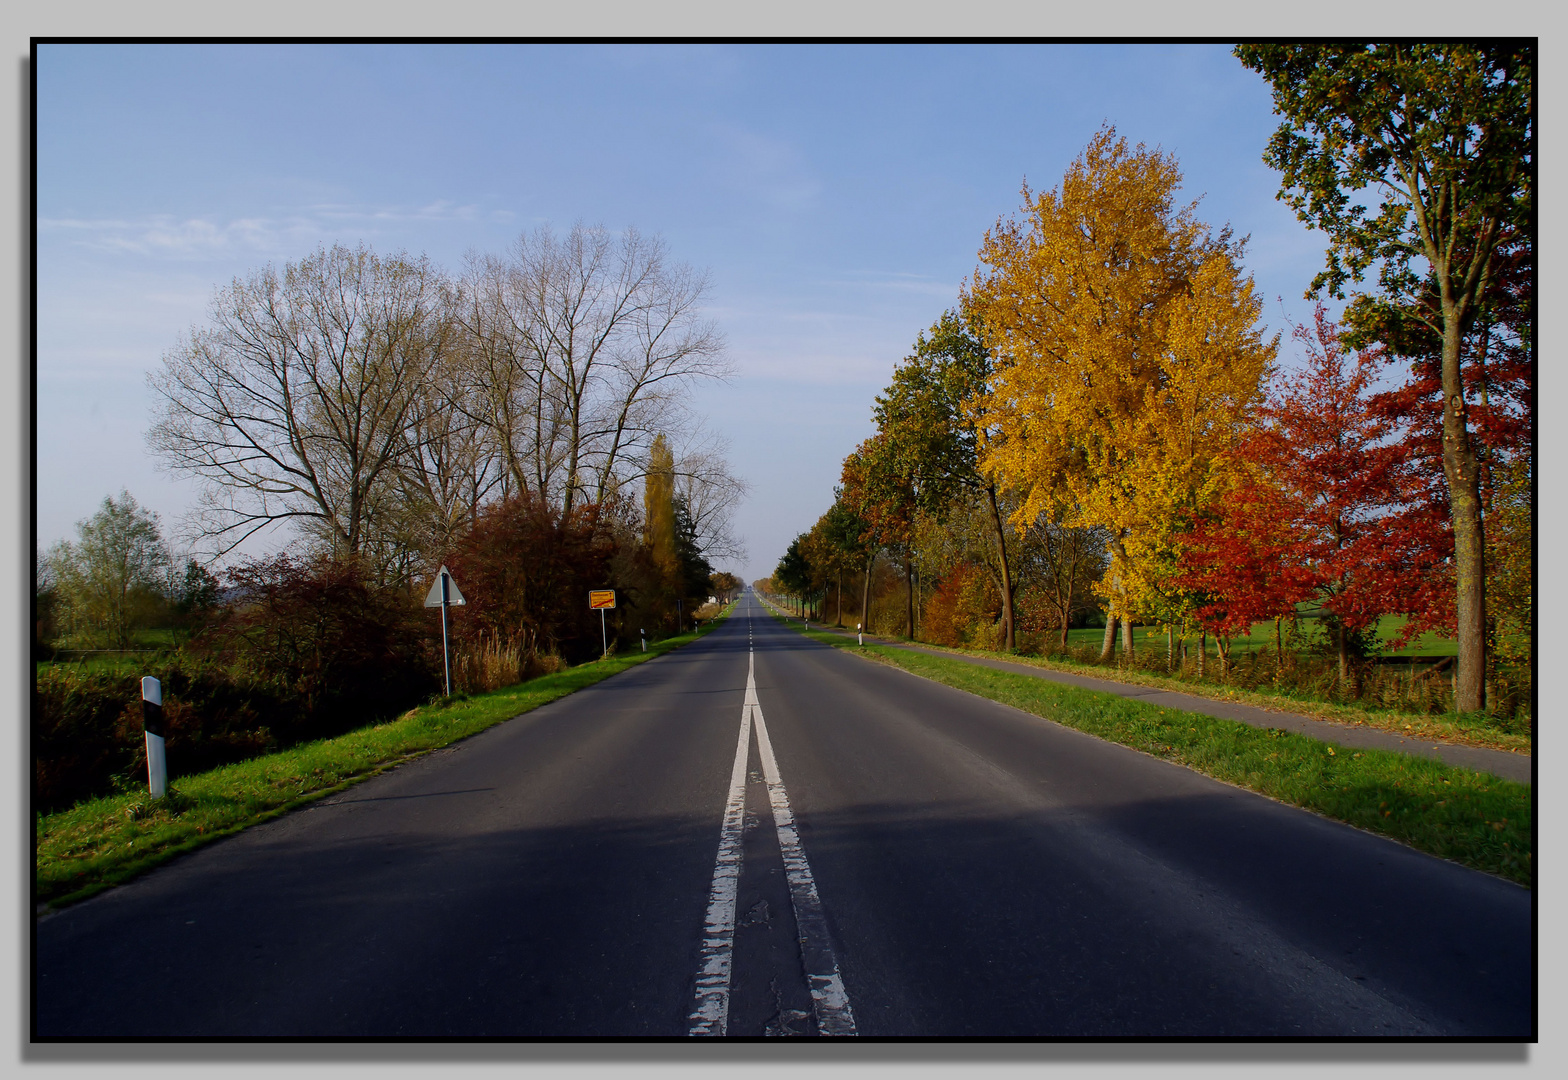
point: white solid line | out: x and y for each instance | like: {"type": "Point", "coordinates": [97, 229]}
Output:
{"type": "Point", "coordinates": [829, 999]}
{"type": "Point", "coordinates": [711, 1013]}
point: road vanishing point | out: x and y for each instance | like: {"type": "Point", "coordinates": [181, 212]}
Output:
{"type": "Point", "coordinates": [761, 835]}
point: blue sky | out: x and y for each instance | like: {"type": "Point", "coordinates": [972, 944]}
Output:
{"type": "Point", "coordinates": [836, 195]}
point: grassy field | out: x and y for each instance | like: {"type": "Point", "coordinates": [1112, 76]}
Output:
{"type": "Point", "coordinates": [1469, 817]}
{"type": "Point", "coordinates": [107, 841]}
{"type": "Point", "coordinates": [1262, 637]}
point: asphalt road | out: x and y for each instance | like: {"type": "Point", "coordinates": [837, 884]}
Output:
{"type": "Point", "coordinates": [922, 863]}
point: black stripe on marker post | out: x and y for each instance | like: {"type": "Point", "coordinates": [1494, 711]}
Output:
{"type": "Point", "coordinates": [152, 732]}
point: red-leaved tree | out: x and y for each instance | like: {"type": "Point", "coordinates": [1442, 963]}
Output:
{"type": "Point", "coordinates": [1333, 512]}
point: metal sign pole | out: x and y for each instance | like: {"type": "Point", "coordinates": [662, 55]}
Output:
{"type": "Point", "coordinates": [604, 635]}
{"type": "Point", "coordinates": [446, 651]}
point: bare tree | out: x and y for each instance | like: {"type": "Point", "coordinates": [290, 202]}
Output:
{"type": "Point", "coordinates": [711, 492]}
{"type": "Point", "coordinates": [295, 403]}
{"type": "Point", "coordinates": [450, 469]}
{"type": "Point", "coordinates": [499, 338]}
{"type": "Point", "coordinates": [1061, 563]}
{"type": "Point", "coordinates": [608, 338]}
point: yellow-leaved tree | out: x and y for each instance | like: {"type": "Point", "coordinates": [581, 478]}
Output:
{"type": "Point", "coordinates": [1128, 357]}
{"type": "Point", "coordinates": [659, 510]}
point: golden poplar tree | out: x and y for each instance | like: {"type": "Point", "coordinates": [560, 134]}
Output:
{"type": "Point", "coordinates": [659, 510]}
{"type": "Point", "coordinates": [1128, 355]}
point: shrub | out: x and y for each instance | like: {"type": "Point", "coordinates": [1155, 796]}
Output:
{"type": "Point", "coordinates": [319, 632]}
{"type": "Point", "coordinates": [526, 569]}
{"type": "Point", "coordinates": [87, 726]}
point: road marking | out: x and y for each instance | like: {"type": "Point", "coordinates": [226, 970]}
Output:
{"type": "Point", "coordinates": [829, 999]}
{"type": "Point", "coordinates": [711, 1014]}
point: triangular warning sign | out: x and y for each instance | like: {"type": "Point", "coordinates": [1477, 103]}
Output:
{"type": "Point", "coordinates": [454, 595]}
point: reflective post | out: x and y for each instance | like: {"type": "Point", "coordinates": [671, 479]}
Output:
{"type": "Point", "coordinates": [152, 728]}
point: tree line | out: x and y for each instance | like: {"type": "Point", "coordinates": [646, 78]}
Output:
{"type": "Point", "coordinates": [1100, 423]}
{"type": "Point", "coordinates": [379, 403]}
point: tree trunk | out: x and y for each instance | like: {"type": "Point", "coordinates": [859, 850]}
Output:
{"type": "Point", "coordinates": [1108, 649]}
{"type": "Point", "coordinates": [909, 590]}
{"type": "Point", "coordinates": [1344, 656]}
{"type": "Point", "coordinates": [1127, 649]}
{"type": "Point", "coordinates": [865, 595]}
{"type": "Point", "coordinates": [1007, 575]}
{"type": "Point", "coordinates": [1462, 470]}
{"type": "Point", "coordinates": [840, 589]}
{"type": "Point", "coordinates": [1203, 650]}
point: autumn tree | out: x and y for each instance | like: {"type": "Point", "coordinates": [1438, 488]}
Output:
{"type": "Point", "coordinates": [1127, 356]}
{"type": "Point", "coordinates": [1498, 369]}
{"type": "Point", "coordinates": [878, 490]}
{"type": "Point", "coordinates": [725, 585]}
{"type": "Point", "coordinates": [839, 544]}
{"type": "Point", "coordinates": [794, 572]}
{"type": "Point", "coordinates": [931, 420]}
{"type": "Point", "coordinates": [1331, 513]}
{"type": "Point", "coordinates": [1444, 135]}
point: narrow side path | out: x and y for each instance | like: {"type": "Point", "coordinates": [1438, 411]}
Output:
{"type": "Point", "coordinates": [1509, 766]}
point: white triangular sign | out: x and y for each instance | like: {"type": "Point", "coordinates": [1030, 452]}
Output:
{"type": "Point", "coordinates": [454, 594]}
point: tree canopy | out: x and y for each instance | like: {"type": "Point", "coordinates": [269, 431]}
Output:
{"type": "Point", "coordinates": [1445, 133]}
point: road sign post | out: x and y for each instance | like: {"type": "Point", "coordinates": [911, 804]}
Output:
{"type": "Point", "coordinates": [602, 600]}
{"type": "Point", "coordinates": [443, 594]}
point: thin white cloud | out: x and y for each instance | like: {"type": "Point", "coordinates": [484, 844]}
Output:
{"type": "Point", "coordinates": [885, 281]}
{"type": "Point", "coordinates": [169, 236]}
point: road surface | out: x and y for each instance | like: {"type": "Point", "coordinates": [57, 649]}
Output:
{"type": "Point", "coordinates": [759, 835]}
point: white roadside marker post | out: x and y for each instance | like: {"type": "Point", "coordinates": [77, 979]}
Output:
{"type": "Point", "coordinates": [644, 635]}
{"type": "Point", "coordinates": [860, 639]}
{"type": "Point", "coordinates": [152, 729]}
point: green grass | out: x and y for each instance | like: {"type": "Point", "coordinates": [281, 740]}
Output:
{"type": "Point", "coordinates": [1469, 817]}
{"type": "Point", "coordinates": [1469, 729]}
{"type": "Point", "coordinates": [1261, 636]}
{"type": "Point", "coordinates": [110, 840]}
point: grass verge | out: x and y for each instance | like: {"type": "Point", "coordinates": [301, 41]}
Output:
{"type": "Point", "coordinates": [1472, 818]}
{"type": "Point", "coordinates": [108, 841]}
{"type": "Point", "coordinates": [1462, 728]}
